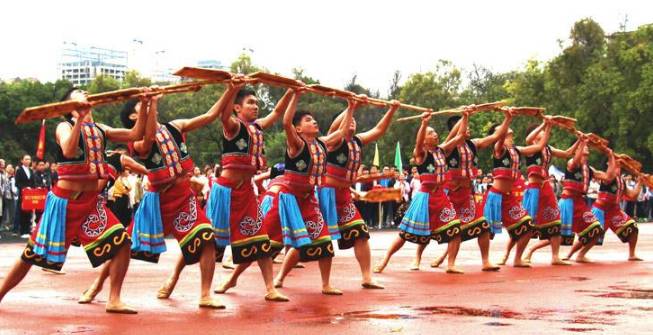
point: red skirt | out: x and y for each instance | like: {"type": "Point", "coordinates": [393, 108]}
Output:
{"type": "Point", "coordinates": [472, 221]}
{"type": "Point", "coordinates": [350, 222]}
{"type": "Point", "coordinates": [585, 224]}
{"type": "Point", "coordinates": [88, 222]}
{"type": "Point", "coordinates": [316, 227]}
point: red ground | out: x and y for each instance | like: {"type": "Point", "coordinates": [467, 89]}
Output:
{"type": "Point", "coordinates": [607, 297]}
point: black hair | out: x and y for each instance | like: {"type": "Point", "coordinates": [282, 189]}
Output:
{"type": "Point", "coordinates": [297, 119]}
{"type": "Point", "coordinates": [277, 170]}
{"type": "Point", "coordinates": [451, 122]}
{"type": "Point", "coordinates": [128, 109]}
{"type": "Point", "coordinates": [244, 93]}
{"type": "Point", "coordinates": [493, 128]}
{"type": "Point", "coordinates": [66, 97]}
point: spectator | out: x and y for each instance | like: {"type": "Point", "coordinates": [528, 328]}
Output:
{"type": "Point", "coordinates": [41, 176]}
{"type": "Point", "coordinates": [630, 203]}
{"type": "Point", "coordinates": [402, 206]}
{"type": "Point", "coordinates": [24, 179]}
{"type": "Point", "coordinates": [592, 192]}
{"type": "Point", "coordinates": [9, 199]}
{"type": "Point", "coordinates": [54, 176]}
{"type": "Point", "coordinates": [649, 201]}
{"type": "Point", "coordinates": [415, 183]}
{"type": "Point", "coordinates": [388, 209]}
{"type": "Point", "coordinates": [4, 183]}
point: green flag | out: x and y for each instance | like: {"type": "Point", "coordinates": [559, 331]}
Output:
{"type": "Point", "coordinates": [398, 164]}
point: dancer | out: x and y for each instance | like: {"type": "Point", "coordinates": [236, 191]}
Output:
{"type": "Point", "coordinates": [74, 209]}
{"type": "Point", "coordinates": [430, 215]}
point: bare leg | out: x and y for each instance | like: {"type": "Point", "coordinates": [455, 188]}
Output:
{"type": "Point", "coordinates": [581, 258]}
{"type": "Point", "coordinates": [117, 271]}
{"type": "Point", "coordinates": [555, 251]}
{"type": "Point", "coordinates": [632, 244]}
{"type": "Point", "coordinates": [577, 246]}
{"type": "Point", "coordinates": [325, 273]}
{"type": "Point", "coordinates": [166, 290]}
{"type": "Point", "coordinates": [484, 246]}
{"type": "Point", "coordinates": [233, 278]}
{"type": "Point", "coordinates": [519, 252]}
{"type": "Point", "coordinates": [207, 268]}
{"type": "Point", "coordinates": [438, 261]}
{"type": "Point", "coordinates": [418, 257]}
{"type": "Point", "coordinates": [394, 247]}
{"type": "Point", "coordinates": [266, 270]}
{"type": "Point", "coordinates": [289, 262]}
{"type": "Point", "coordinates": [537, 246]}
{"type": "Point", "coordinates": [452, 250]}
{"type": "Point", "coordinates": [364, 258]}
{"type": "Point", "coordinates": [96, 287]}
{"type": "Point", "coordinates": [509, 246]}
{"type": "Point", "coordinates": [15, 276]}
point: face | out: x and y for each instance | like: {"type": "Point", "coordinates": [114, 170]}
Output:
{"type": "Point", "coordinates": [432, 138]}
{"type": "Point", "coordinates": [308, 126]}
{"type": "Point", "coordinates": [374, 169]}
{"type": "Point", "coordinates": [248, 109]}
{"type": "Point", "coordinates": [586, 154]}
{"type": "Point", "coordinates": [10, 170]}
{"type": "Point", "coordinates": [53, 166]}
{"type": "Point", "coordinates": [78, 95]}
{"type": "Point", "coordinates": [27, 160]}
{"type": "Point", "coordinates": [413, 170]}
{"type": "Point", "coordinates": [40, 167]}
{"type": "Point", "coordinates": [196, 171]}
{"type": "Point", "coordinates": [2, 164]}
{"type": "Point", "coordinates": [386, 169]}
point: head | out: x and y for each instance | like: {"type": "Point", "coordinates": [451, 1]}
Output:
{"type": "Point", "coordinates": [305, 124]}
{"type": "Point", "coordinates": [208, 171]}
{"type": "Point", "coordinates": [26, 160]}
{"type": "Point", "coordinates": [40, 166]}
{"type": "Point", "coordinates": [451, 122]}
{"type": "Point", "coordinates": [385, 170]}
{"type": "Point", "coordinates": [509, 135]}
{"type": "Point", "coordinates": [374, 169]}
{"type": "Point", "coordinates": [53, 166]}
{"type": "Point", "coordinates": [196, 171]}
{"type": "Point", "coordinates": [246, 104]}
{"type": "Point", "coordinates": [432, 139]}
{"type": "Point", "coordinates": [2, 164]}
{"type": "Point", "coordinates": [10, 170]}
{"type": "Point", "coordinates": [586, 154]}
{"type": "Point", "coordinates": [75, 94]}
{"type": "Point", "coordinates": [129, 113]}
{"type": "Point", "coordinates": [217, 170]}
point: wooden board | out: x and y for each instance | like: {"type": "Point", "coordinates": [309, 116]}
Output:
{"type": "Point", "coordinates": [371, 177]}
{"type": "Point", "coordinates": [118, 95]}
{"type": "Point", "coordinates": [381, 195]}
{"type": "Point", "coordinates": [202, 73]}
{"type": "Point", "coordinates": [530, 111]}
{"type": "Point", "coordinates": [564, 121]}
{"type": "Point", "coordinates": [597, 140]}
{"type": "Point", "coordinates": [48, 111]}
{"type": "Point", "coordinates": [274, 79]}
{"type": "Point", "coordinates": [489, 106]}
{"type": "Point", "coordinates": [330, 91]}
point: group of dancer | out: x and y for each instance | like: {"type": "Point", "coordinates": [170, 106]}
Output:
{"type": "Point", "coordinates": [308, 203]}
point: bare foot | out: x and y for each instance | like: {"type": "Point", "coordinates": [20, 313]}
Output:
{"type": "Point", "coordinates": [489, 267]}
{"type": "Point", "coordinates": [210, 303]}
{"type": "Point", "coordinates": [582, 259]}
{"type": "Point", "coordinates": [299, 266]}
{"type": "Point", "coordinates": [378, 268]}
{"type": "Point", "coordinates": [331, 291]}
{"type": "Point", "coordinates": [503, 261]}
{"type": "Point", "coordinates": [120, 308]}
{"type": "Point", "coordinates": [566, 258]}
{"type": "Point", "coordinates": [521, 265]}
{"type": "Point", "coordinates": [635, 259]}
{"type": "Point", "coordinates": [276, 297]}
{"type": "Point", "coordinates": [229, 265]}
{"type": "Point", "coordinates": [437, 262]}
{"type": "Point", "coordinates": [278, 283]}
{"type": "Point", "coordinates": [560, 262]}
{"type": "Point", "coordinates": [414, 266]}
{"type": "Point", "coordinates": [372, 285]}
{"type": "Point", "coordinates": [166, 290]}
{"type": "Point", "coordinates": [88, 296]}
{"type": "Point", "coordinates": [222, 288]}
{"type": "Point", "coordinates": [454, 270]}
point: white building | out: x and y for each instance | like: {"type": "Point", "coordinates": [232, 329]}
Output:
{"type": "Point", "coordinates": [80, 64]}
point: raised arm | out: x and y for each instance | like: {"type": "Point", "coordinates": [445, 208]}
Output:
{"type": "Point", "coordinates": [539, 145]}
{"type": "Point", "coordinates": [224, 106]}
{"type": "Point", "coordinates": [143, 146]}
{"type": "Point", "coordinates": [457, 128]}
{"type": "Point", "coordinates": [578, 155]}
{"type": "Point", "coordinates": [459, 138]}
{"type": "Point", "coordinates": [565, 153]}
{"type": "Point", "coordinates": [279, 109]}
{"type": "Point", "coordinates": [381, 127]}
{"type": "Point", "coordinates": [499, 133]}
{"type": "Point", "coordinates": [293, 140]}
{"type": "Point", "coordinates": [533, 134]}
{"type": "Point", "coordinates": [633, 193]}
{"type": "Point", "coordinates": [611, 172]}
{"type": "Point", "coordinates": [335, 138]}
{"type": "Point", "coordinates": [131, 164]}
{"type": "Point", "coordinates": [68, 137]}
{"type": "Point", "coordinates": [419, 152]}
{"type": "Point", "coordinates": [129, 135]}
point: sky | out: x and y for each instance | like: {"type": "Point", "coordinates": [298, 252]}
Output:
{"type": "Point", "coordinates": [331, 40]}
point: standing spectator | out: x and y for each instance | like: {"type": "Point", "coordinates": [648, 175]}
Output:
{"type": "Point", "coordinates": [402, 206]}
{"type": "Point", "coordinates": [630, 203]}
{"type": "Point", "coordinates": [41, 179]}
{"type": "Point", "coordinates": [640, 210]}
{"type": "Point", "coordinates": [388, 210]}
{"type": "Point", "coordinates": [592, 192]}
{"type": "Point", "coordinates": [4, 183]}
{"type": "Point", "coordinates": [120, 205]}
{"type": "Point", "coordinates": [415, 183]}
{"type": "Point", "coordinates": [54, 176]}
{"type": "Point", "coordinates": [24, 179]}
{"type": "Point", "coordinates": [649, 201]}
{"type": "Point", "coordinates": [9, 198]}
